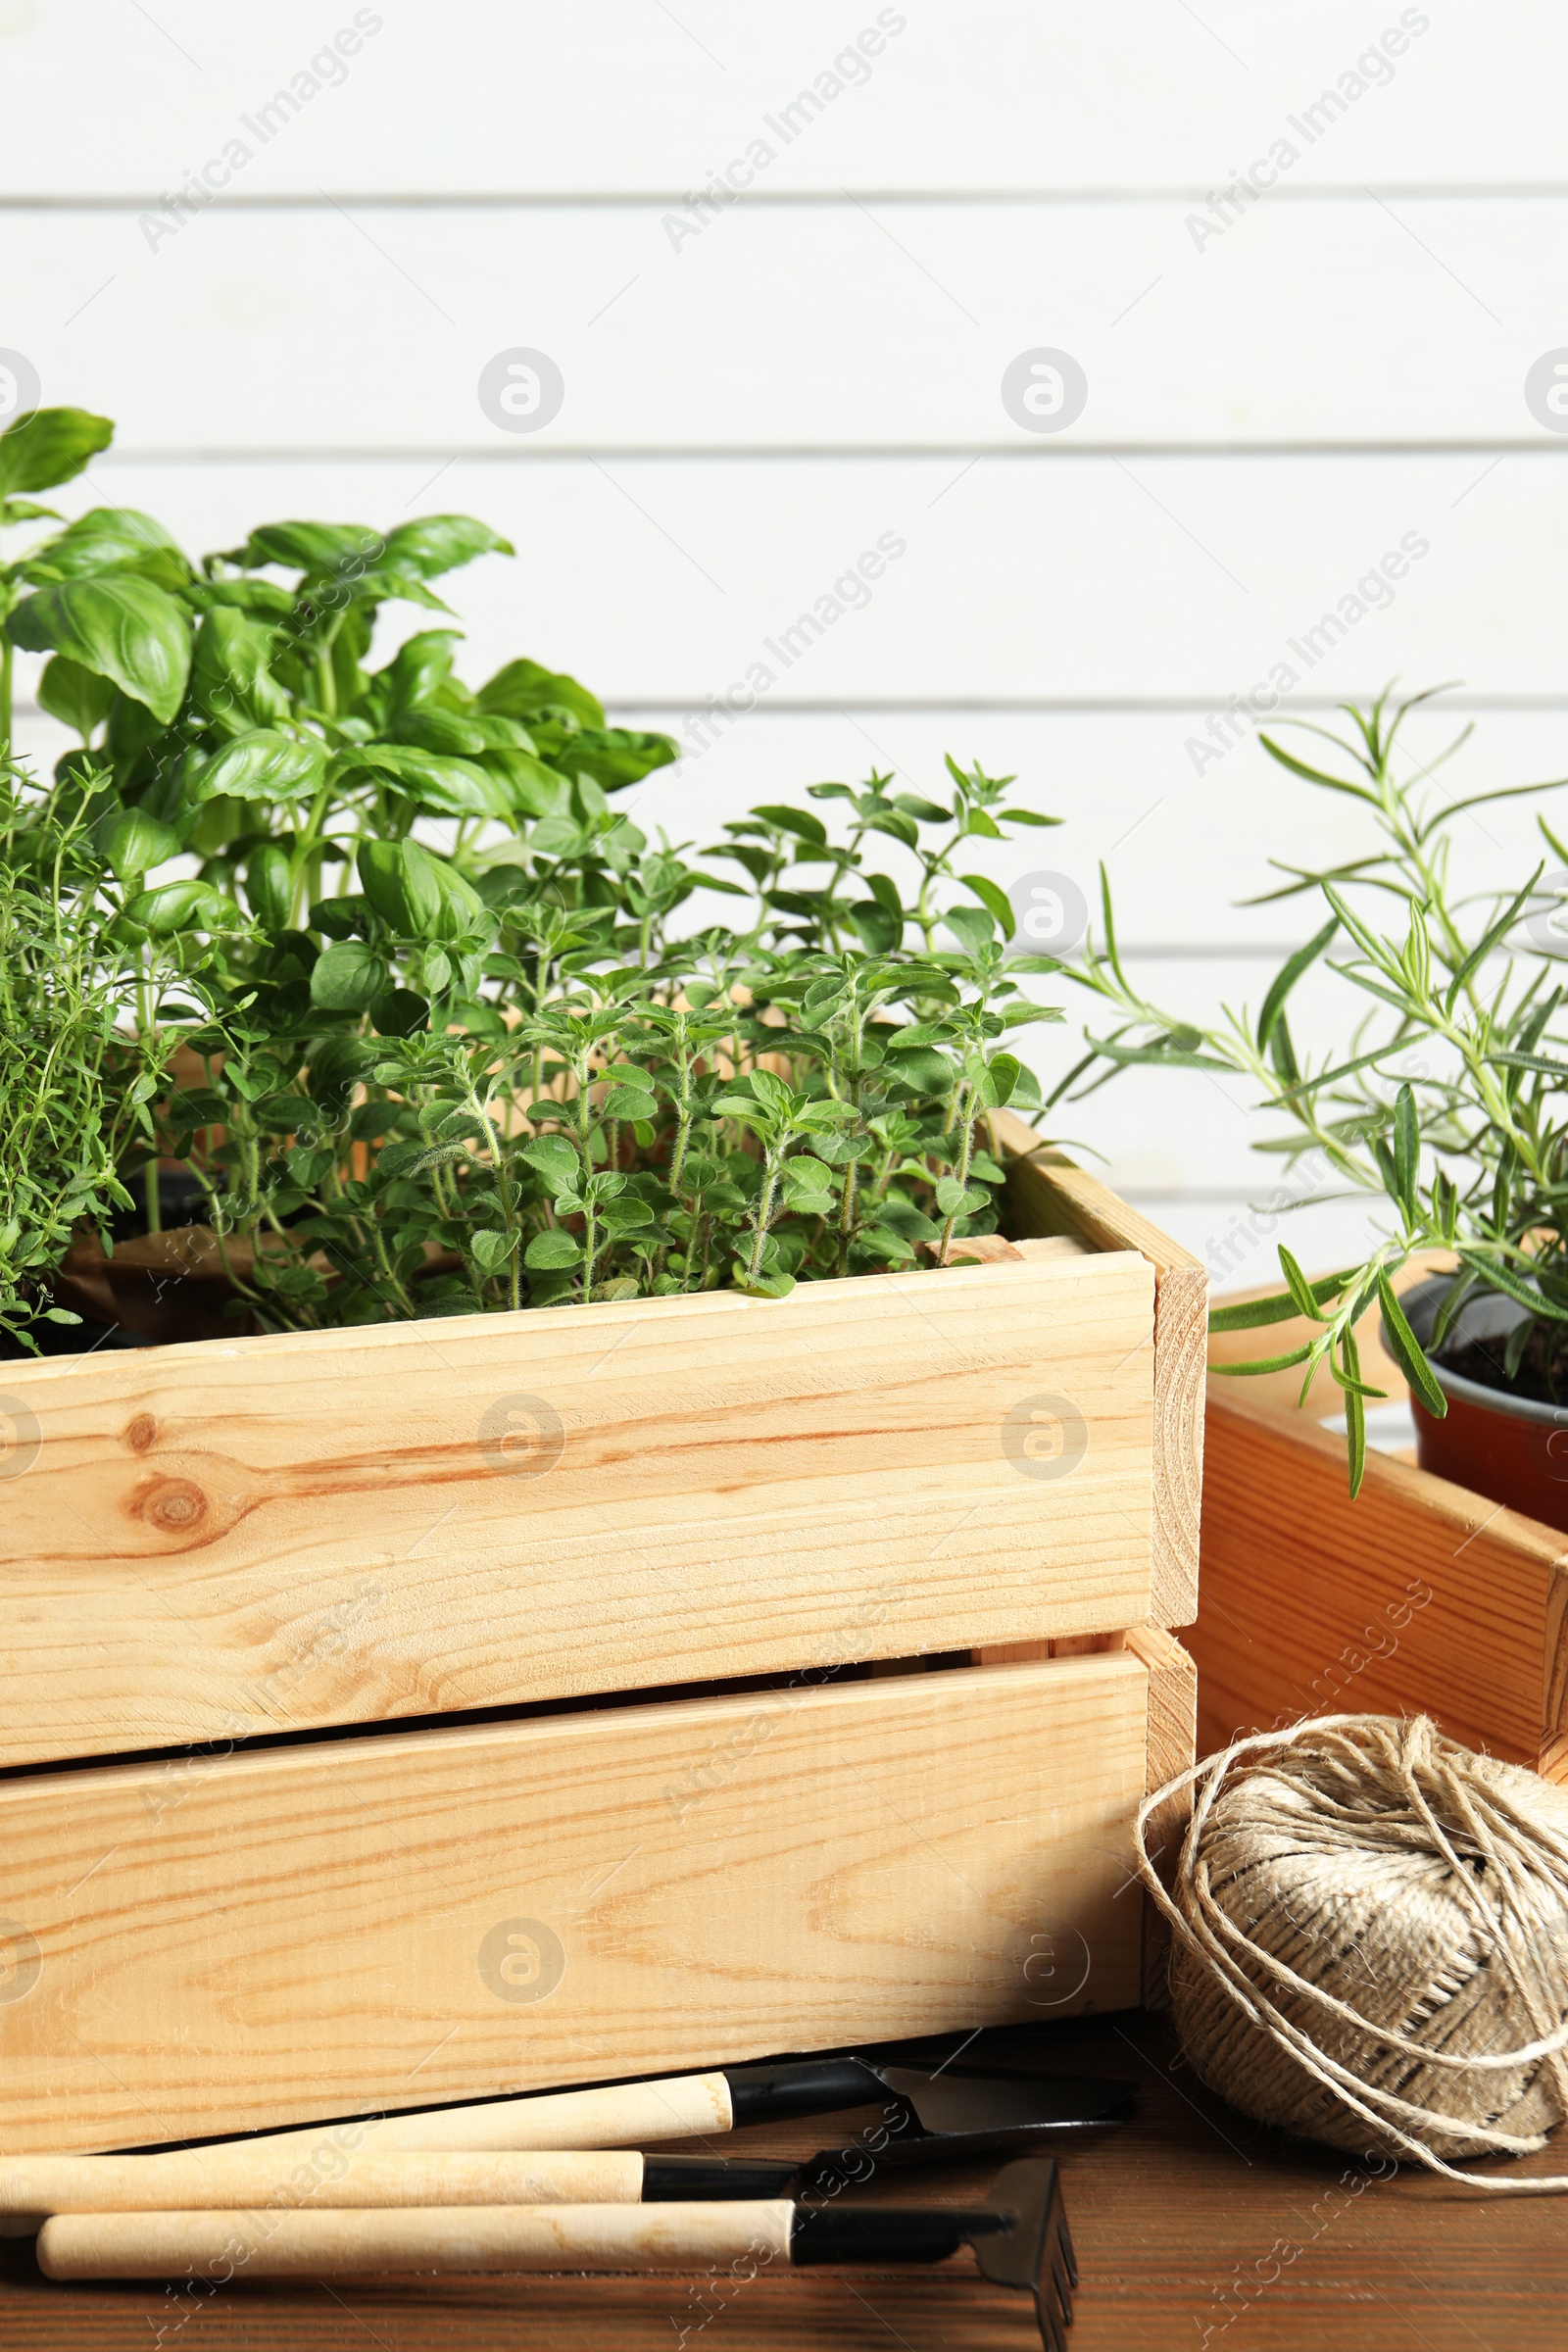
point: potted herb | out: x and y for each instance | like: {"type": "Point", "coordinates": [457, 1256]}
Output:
{"type": "Point", "coordinates": [1446, 1100]}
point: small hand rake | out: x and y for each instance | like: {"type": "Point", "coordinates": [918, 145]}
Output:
{"type": "Point", "coordinates": [1021, 2240]}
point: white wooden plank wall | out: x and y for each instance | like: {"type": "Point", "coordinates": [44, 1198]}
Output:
{"type": "Point", "coordinates": [762, 383]}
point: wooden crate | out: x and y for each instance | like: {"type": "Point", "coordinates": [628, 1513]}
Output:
{"type": "Point", "coordinates": [576, 1516]}
{"type": "Point", "coordinates": [218, 1541]}
{"type": "Point", "coordinates": [1418, 1597]}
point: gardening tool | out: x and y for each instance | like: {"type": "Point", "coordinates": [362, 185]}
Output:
{"type": "Point", "coordinates": [925, 2118]}
{"type": "Point", "coordinates": [1020, 2240]}
{"type": "Point", "coordinates": [252, 2178]}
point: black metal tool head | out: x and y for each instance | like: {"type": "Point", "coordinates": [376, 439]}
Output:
{"type": "Point", "coordinates": [943, 2118]}
{"type": "Point", "coordinates": [1019, 2237]}
{"type": "Point", "coordinates": [1030, 2247]}
{"type": "Point", "coordinates": [1008, 2111]}
{"type": "Point", "coordinates": [926, 2115]}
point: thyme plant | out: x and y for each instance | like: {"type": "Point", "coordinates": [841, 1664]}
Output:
{"type": "Point", "coordinates": [73, 1089]}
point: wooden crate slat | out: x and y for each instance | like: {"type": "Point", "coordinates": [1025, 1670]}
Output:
{"type": "Point", "coordinates": [1418, 1597]}
{"type": "Point", "coordinates": [222, 1540]}
{"type": "Point", "coordinates": [1049, 1194]}
{"type": "Point", "coordinates": [1170, 1749]}
{"type": "Point", "coordinates": [302, 1932]}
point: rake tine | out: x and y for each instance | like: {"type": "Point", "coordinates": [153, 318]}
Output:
{"type": "Point", "coordinates": [1060, 2273]}
{"type": "Point", "coordinates": [1064, 2245]}
{"type": "Point", "coordinates": [1048, 2313]}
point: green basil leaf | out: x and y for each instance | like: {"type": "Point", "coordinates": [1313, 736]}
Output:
{"type": "Point", "coordinates": [177, 906]}
{"type": "Point", "coordinates": [49, 445]}
{"type": "Point", "coordinates": [531, 788]}
{"type": "Point", "coordinates": [446, 786]}
{"type": "Point", "coordinates": [418, 671]}
{"type": "Point", "coordinates": [929, 812]}
{"type": "Point", "coordinates": [437, 730]}
{"type": "Point", "coordinates": [231, 683]}
{"type": "Point", "coordinates": [262, 764]}
{"type": "Point", "coordinates": [348, 977]}
{"type": "Point", "coordinates": [615, 756]}
{"type": "Point", "coordinates": [435, 543]}
{"type": "Point", "coordinates": [109, 539]}
{"type": "Point", "coordinates": [269, 885]}
{"type": "Point", "coordinates": [320, 549]}
{"type": "Point", "coordinates": [523, 688]}
{"type": "Point", "coordinates": [78, 698]}
{"type": "Point", "coordinates": [130, 842]}
{"type": "Point", "coordinates": [417, 894]}
{"type": "Point", "coordinates": [122, 628]}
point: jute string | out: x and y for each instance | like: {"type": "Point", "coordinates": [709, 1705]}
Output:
{"type": "Point", "coordinates": [1370, 1941]}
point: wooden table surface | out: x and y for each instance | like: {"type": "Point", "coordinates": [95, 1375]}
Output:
{"type": "Point", "coordinates": [1193, 2226]}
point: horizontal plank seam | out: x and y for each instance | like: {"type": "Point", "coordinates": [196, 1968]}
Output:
{"type": "Point", "coordinates": [593, 453]}
{"type": "Point", "coordinates": [839, 199]}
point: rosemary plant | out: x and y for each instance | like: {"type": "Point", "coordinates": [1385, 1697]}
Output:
{"type": "Point", "coordinates": [1446, 1097]}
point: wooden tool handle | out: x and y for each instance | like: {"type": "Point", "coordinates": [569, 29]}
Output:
{"type": "Point", "coordinates": [683, 2107]}
{"type": "Point", "coordinates": [497, 2238]}
{"type": "Point", "coordinates": [253, 2175]}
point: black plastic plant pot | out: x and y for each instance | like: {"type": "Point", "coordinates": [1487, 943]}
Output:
{"type": "Point", "coordinates": [1513, 1450]}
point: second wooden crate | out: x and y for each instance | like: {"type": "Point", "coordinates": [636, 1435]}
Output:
{"type": "Point", "coordinates": [1416, 1597]}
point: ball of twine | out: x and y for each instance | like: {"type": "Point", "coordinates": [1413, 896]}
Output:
{"type": "Point", "coordinates": [1370, 1941]}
